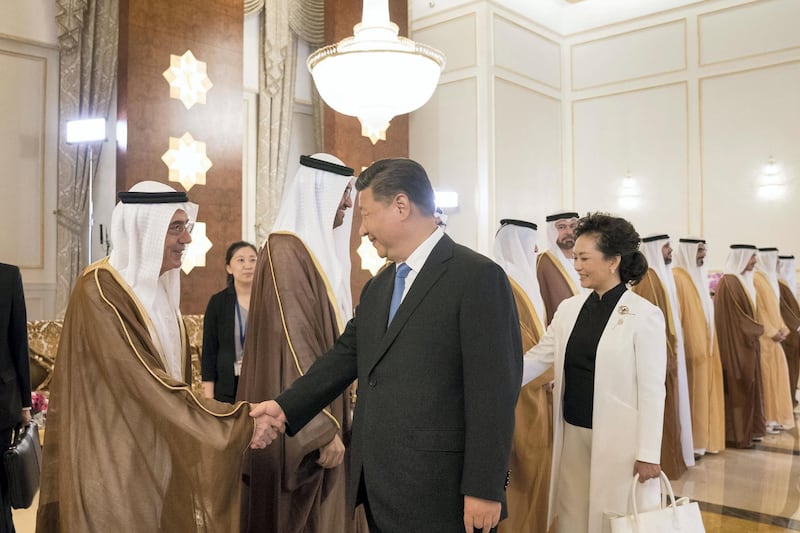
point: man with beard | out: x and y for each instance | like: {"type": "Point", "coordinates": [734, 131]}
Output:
{"type": "Point", "coordinates": [658, 287]}
{"type": "Point", "coordinates": [300, 301]}
{"type": "Point", "coordinates": [703, 365]}
{"type": "Point", "coordinates": [555, 270]}
{"type": "Point", "coordinates": [738, 331]}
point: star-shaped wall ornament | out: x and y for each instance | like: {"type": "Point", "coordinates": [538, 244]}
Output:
{"type": "Point", "coordinates": [195, 254]}
{"type": "Point", "coordinates": [187, 161]}
{"type": "Point", "coordinates": [187, 78]}
{"type": "Point", "coordinates": [370, 260]}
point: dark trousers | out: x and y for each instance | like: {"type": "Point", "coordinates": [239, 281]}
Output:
{"type": "Point", "coordinates": [373, 527]}
{"type": "Point", "coordinates": [6, 525]}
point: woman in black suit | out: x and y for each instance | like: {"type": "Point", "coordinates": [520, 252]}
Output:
{"type": "Point", "coordinates": [225, 325]}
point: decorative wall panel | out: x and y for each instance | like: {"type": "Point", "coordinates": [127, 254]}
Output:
{"type": "Point", "coordinates": [456, 38]}
{"type": "Point", "coordinates": [22, 185]}
{"type": "Point", "coordinates": [632, 55]}
{"type": "Point", "coordinates": [745, 118]}
{"type": "Point", "coordinates": [527, 154]}
{"type": "Point", "coordinates": [527, 53]}
{"type": "Point", "coordinates": [749, 30]}
{"type": "Point", "coordinates": [644, 132]}
{"type": "Point", "coordinates": [443, 138]}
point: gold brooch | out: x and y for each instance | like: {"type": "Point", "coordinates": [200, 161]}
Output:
{"type": "Point", "coordinates": [623, 310]}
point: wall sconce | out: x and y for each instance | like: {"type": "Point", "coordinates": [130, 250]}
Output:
{"type": "Point", "coordinates": [771, 185]}
{"type": "Point", "coordinates": [375, 75]}
{"type": "Point", "coordinates": [187, 161]}
{"type": "Point", "coordinates": [87, 131]}
{"type": "Point", "coordinates": [187, 78]}
{"type": "Point", "coordinates": [628, 198]}
{"type": "Point", "coordinates": [195, 254]}
{"type": "Point", "coordinates": [370, 260]}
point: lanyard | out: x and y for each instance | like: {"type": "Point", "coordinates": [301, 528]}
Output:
{"type": "Point", "coordinates": [242, 327]}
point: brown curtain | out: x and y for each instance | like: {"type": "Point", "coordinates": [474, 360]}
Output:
{"type": "Point", "coordinates": [283, 22]}
{"type": "Point", "coordinates": [87, 38]}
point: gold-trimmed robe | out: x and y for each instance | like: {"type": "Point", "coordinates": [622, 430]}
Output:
{"type": "Point", "coordinates": [532, 447]}
{"type": "Point", "coordinates": [555, 284]}
{"type": "Point", "coordinates": [790, 312]}
{"type": "Point", "coordinates": [292, 321]}
{"type": "Point", "coordinates": [774, 371]}
{"type": "Point", "coordinates": [739, 349]}
{"type": "Point", "coordinates": [652, 289]}
{"type": "Point", "coordinates": [129, 448]}
{"type": "Point", "coordinates": [703, 367]}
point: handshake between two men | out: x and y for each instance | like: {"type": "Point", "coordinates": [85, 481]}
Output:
{"type": "Point", "coordinates": [270, 421]}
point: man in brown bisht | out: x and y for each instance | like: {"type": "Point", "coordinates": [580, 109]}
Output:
{"type": "Point", "coordinates": [555, 267]}
{"type": "Point", "coordinates": [778, 408]}
{"type": "Point", "coordinates": [654, 289]}
{"type": "Point", "coordinates": [129, 446]}
{"type": "Point", "coordinates": [738, 331]}
{"type": "Point", "coordinates": [300, 302]}
{"type": "Point", "coordinates": [515, 250]}
{"type": "Point", "coordinates": [703, 365]}
{"type": "Point", "coordinates": [790, 311]}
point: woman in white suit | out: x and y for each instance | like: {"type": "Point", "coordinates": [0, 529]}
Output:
{"type": "Point", "coordinates": [608, 349]}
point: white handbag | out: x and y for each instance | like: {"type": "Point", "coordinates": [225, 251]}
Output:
{"type": "Point", "coordinates": [680, 516]}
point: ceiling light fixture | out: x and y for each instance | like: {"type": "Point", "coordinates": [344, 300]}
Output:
{"type": "Point", "coordinates": [375, 75]}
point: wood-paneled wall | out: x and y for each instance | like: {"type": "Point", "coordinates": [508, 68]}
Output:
{"type": "Point", "coordinates": [343, 134]}
{"type": "Point", "coordinates": [150, 31]}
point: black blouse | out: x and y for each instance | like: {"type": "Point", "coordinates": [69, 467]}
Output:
{"type": "Point", "coordinates": [581, 353]}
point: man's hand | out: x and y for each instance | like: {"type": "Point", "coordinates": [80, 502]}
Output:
{"type": "Point", "coordinates": [779, 336]}
{"type": "Point", "coordinates": [332, 454]}
{"type": "Point", "coordinates": [480, 514]}
{"type": "Point", "coordinates": [646, 470]}
{"type": "Point", "coordinates": [26, 417]}
{"type": "Point", "coordinates": [270, 421]}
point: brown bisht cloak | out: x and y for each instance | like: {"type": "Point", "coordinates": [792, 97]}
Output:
{"type": "Point", "coordinates": [738, 333]}
{"type": "Point", "coordinates": [790, 311]}
{"type": "Point", "coordinates": [292, 321]}
{"type": "Point", "coordinates": [703, 367]}
{"type": "Point", "coordinates": [129, 448]}
{"type": "Point", "coordinates": [555, 284]}
{"type": "Point", "coordinates": [774, 372]}
{"type": "Point", "coordinates": [532, 446]}
{"type": "Point", "coordinates": [652, 289]}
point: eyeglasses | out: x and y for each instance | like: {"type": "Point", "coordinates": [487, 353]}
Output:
{"type": "Point", "coordinates": [178, 227]}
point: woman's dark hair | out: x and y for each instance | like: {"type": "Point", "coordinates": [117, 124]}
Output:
{"type": "Point", "coordinates": [232, 250]}
{"type": "Point", "coordinates": [616, 236]}
{"type": "Point", "coordinates": [389, 177]}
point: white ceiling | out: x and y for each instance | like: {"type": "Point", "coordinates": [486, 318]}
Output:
{"type": "Point", "coordinates": [563, 16]}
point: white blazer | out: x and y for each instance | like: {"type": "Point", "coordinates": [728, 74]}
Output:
{"type": "Point", "coordinates": [628, 410]}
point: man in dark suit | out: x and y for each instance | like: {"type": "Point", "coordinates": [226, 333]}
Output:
{"type": "Point", "coordinates": [15, 376]}
{"type": "Point", "coordinates": [437, 353]}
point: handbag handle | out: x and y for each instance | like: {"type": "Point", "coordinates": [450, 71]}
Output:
{"type": "Point", "coordinates": [19, 430]}
{"type": "Point", "coordinates": [664, 481]}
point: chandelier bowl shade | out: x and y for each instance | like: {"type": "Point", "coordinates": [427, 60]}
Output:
{"type": "Point", "coordinates": [375, 75]}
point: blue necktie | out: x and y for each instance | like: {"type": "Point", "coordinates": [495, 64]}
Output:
{"type": "Point", "coordinates": [399, 287]}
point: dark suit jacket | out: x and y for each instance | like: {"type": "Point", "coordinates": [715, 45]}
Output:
{"type": "Point", "coordinates": [15, 373]}
{"type": "Point", "coordinates": [219, 344]}
{"type": "Point", "coordinates": [434, 416]}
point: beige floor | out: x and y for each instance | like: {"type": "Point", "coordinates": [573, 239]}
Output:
{"type": "Point", "coordinates": [741, 491]}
